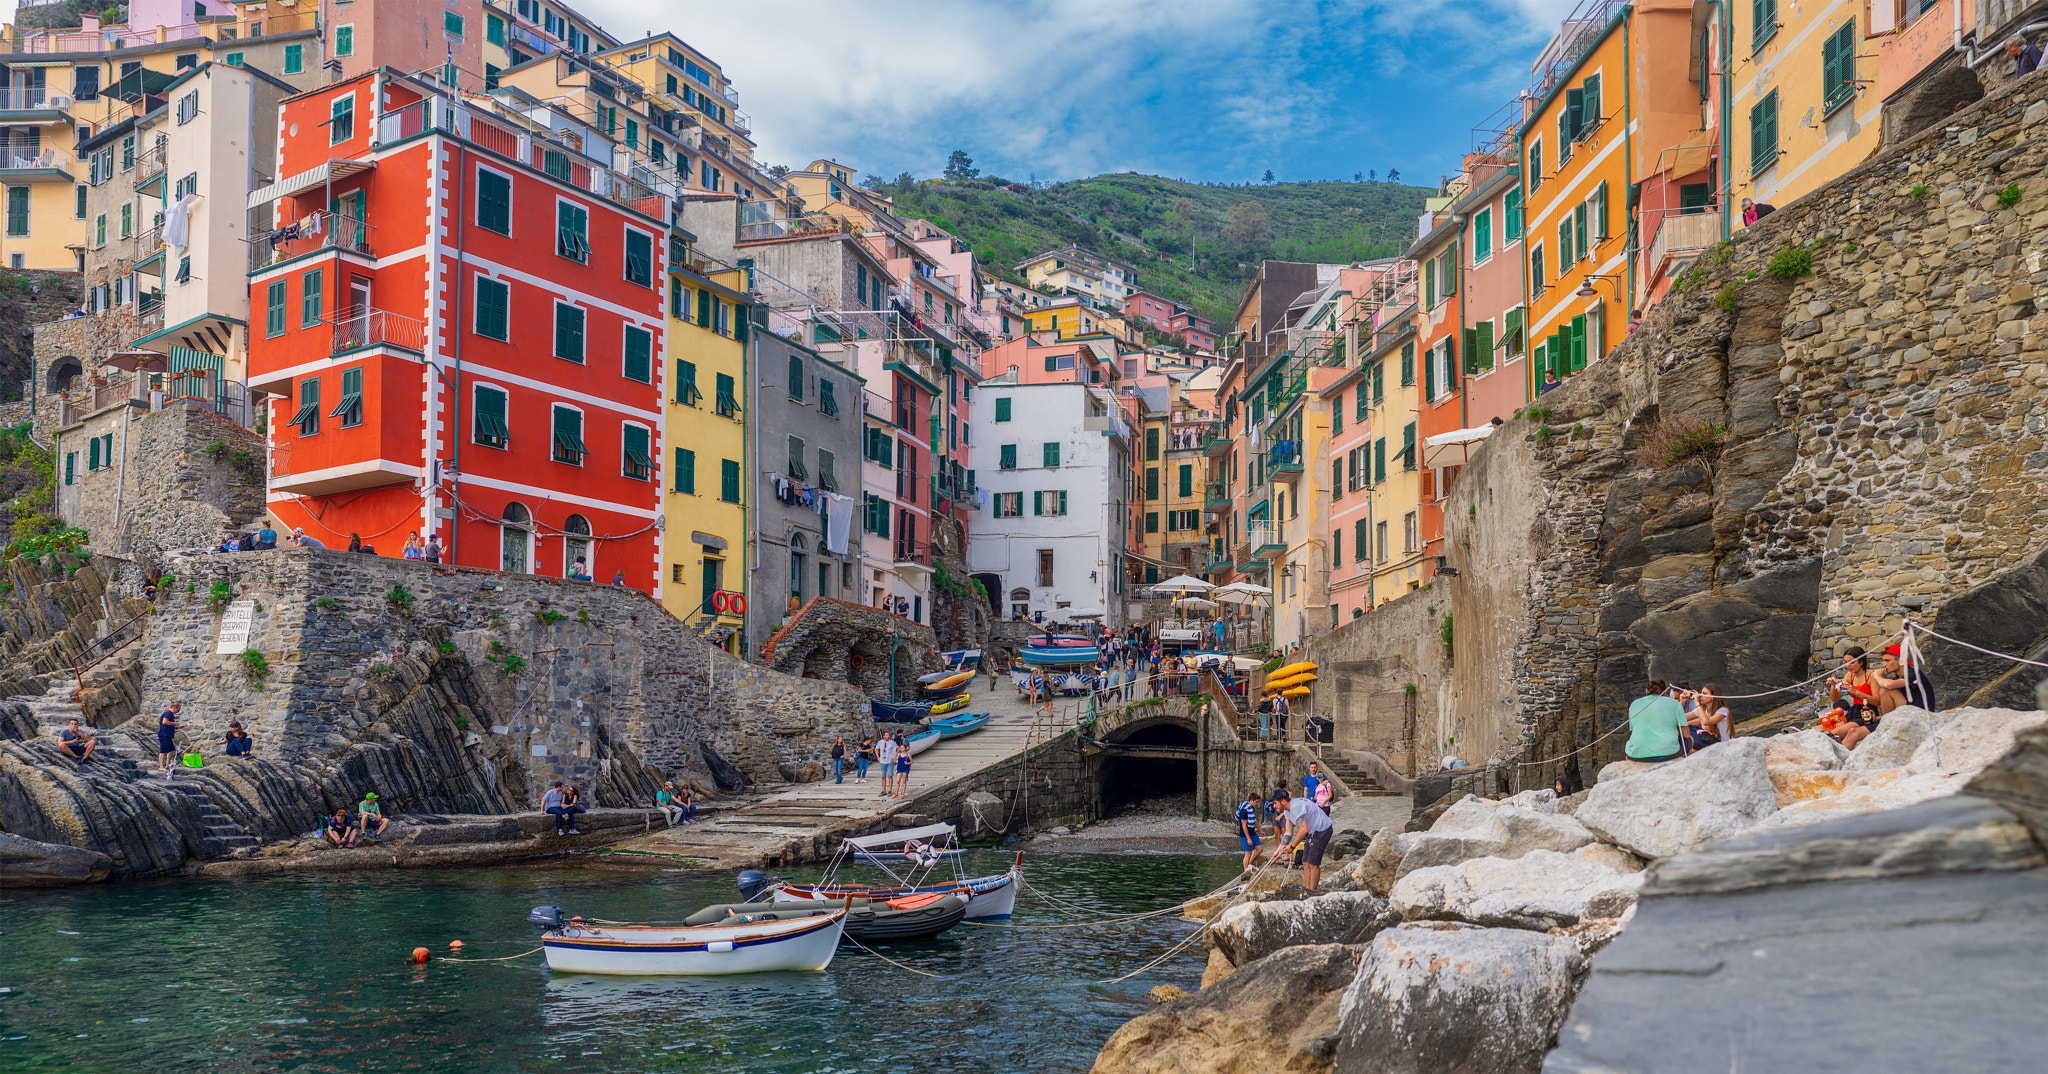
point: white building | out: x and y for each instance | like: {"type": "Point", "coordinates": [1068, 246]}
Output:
{"type": "Point", "coordinates": [1054, 460]}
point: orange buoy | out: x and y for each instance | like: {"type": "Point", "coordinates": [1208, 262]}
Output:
{"type": "Point", "coordinates": [456, 944]}
{"type": "Point", "coordinates": [419, 954]}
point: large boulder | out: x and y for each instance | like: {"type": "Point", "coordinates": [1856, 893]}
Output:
{"type": "Point", "coordinates": [1273, 1015]}
{"type": "Point", "coordinates": [1897, 736]}
{"type": "Point", "coordinates": [1805, 766]}
{"type": "Point", "coordinates": [1431, 998]}
{"type": "Point", "coordinates": [1253, 930]}
{"type": "Point", "coordinates": [1477, 828]}
{"type": "Point", "coordinates": [1721, 791]}
{"type": "Point", "coordinates": [1953, 748]}
{"type": "Point", "coordinates": [982, 817]}
{"type": "Point", "coordinates": [1539, 890]}
{"type": "Point", "coordinates": [27, 863]}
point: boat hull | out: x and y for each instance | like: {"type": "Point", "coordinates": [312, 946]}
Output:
{"type": "Point", "coordinates": [955, 726]}
{"type": "Point", "coordinates": [805, 943]}
{"type": "Point", "coordinates": [917, 744]}
{"type": "Point", "coordinates": [870, 921]}
{"type": "Point", "coordinates": [995, 897]}
{"type": "Point", "coordinates": [900, 711]}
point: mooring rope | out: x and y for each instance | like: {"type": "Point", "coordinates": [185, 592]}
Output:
{"type": "Point", "coordinates": [891, 961]}
{"type": "Point", "coordinates": [503, 958]}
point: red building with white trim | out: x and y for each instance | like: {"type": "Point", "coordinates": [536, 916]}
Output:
{"type": "Point", "coordinates": [461, 324]}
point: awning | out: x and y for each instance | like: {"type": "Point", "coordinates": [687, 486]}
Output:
{"type": "Point", "coordinates": [1452, 449]}
{"type": "Point", "coordinates": [208, 333]}
{"type": "Point", "coordinates": [311, 177]}
{"type": "Point", "coordinates": [22, 65]}
{"type": "Point", "coordinates": [884, 839]}
{"type": "Point", "coordinates": [137, 84]}
{"type": "Point", "coordinates": [1694, 155]}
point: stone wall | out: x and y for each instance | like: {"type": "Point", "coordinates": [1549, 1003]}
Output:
{"type": "Point", "coordinates": [574, 677]}
{"type": "Point", "coordinates": [1386, 686]}
{"type": "Point", "coordinates": [27, 299]}
{"type": "Point", "coordinates": [960, 619]}
{"type": "Point", "coordinates": [840, 641]}
{"type": "Point", "coordinates": [69, 352]}
{"type": "Point", "coordinates": [178, 478]}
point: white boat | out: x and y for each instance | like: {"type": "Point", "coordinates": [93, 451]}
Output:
{"type": "Point", "coordinates": [909, 859]}
{"type": "Point", "coordinates": [806, 943]}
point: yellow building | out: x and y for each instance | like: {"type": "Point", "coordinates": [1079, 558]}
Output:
{"type": "Point", "coordinates": [1068, 317]}
{"type": "Point", "coordinates": [516, 31]}
{"type": "Point", "coordinates": [1799, 113]}
{"type": "Point", "coordinates": [677, 76]}
{"type": "Point", "coordinates": [1173, 478]}
{"type": "Point", "coordinates": [1097, 280]}
{"type": "Point", "coordinates": [705, 511]}
{"type": "Point", "coordinates": [1390, 473]}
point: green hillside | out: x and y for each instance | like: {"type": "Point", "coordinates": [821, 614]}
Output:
{"type": "Point", "coordinates": [1147, 222]}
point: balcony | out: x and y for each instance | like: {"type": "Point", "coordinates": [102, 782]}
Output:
{"type": "Point", "coordinates": [1215, 496]}
{"type": "Point", "coordinates": [316, 231]}
{"type": "Point", "coordinates": [913, 557]}
{"type": "Point", "coordinates": [21, 166]}
{"type": "Point", "coordinates": [33, 105]}
{"type": "Point", "coordinates": [1194, 436]}
{"type": "Point", "coordinates": [1682, 236]}
{"type": "Point", "coordinates": [1265, 540]}
{"type": "Point", "coordinates": [1283, 460]}
{"type": "Point", "coordinates": [149, 167]}
{"type": "Point", "coordinates": [370, 327]}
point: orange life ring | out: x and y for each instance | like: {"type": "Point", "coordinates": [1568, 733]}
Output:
{"type": "Point", "coordinates": [718, 600]}
{"type": "Point", "coordinates": [858, 660]}
{"type": "Point", "coordinates": [738, 604]}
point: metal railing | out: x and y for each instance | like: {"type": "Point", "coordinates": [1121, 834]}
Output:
{"type": "Point", "coordinates": [15, 159]}
{"type": "Point", "coordinates": [913, 552]}
{"type": "Point", "coordinates": [32, 98]}
{"type": "Point", "coordinates": [369, 327]}
{"type": "Point", "coordinates": [1263, 535]}
{"type": "Point", "coordinates": [317, 230]}
{"type": "Point", "coordinates": [1685, 233]}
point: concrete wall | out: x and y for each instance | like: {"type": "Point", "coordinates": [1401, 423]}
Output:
{"type": "Point", "coordinates": [1366, 669]}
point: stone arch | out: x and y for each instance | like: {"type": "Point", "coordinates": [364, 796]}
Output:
{"type": "Point", "coordinates": [62, 373]}
{"type": "Point", "coordinates": [1939, 97]}
{"type": "Point", "coordinates": [1127, 779]}
{"type": "Point", "coordinates": [992, 587]}
{"type": "Point", "coordinates": [825, 660]}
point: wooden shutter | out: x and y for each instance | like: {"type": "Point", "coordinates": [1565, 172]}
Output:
{"type": "Point", "coordinates": [796, 377]}
{"type": "Point", "coordinates": [704, 307]}
{"type": "Point", "coordinates": [1600, 212]}
{"type": "Point", "coordinates": [1589, 102]}
{"type": "Point", "coordinates": [273, 313]}
{"type": "Point", "coordinates": [639, 258]}
{"type": "Point", "coordinates": [1511, 330]}
{"type": "Point", "coordinates": [1009, 457]}
{"type": "Point", "coordinates": [1472, 349]}
{"type": "Point", "coordinates": [1408, 461]}
{"type": "Point", "coordinates": [729, 481]}
{"type": "Point", "coordinates": [1151, 482]}
{"type": "Point", "coordinates": [1450, 364]}
{"type": "Point", "coordinates": [1052, 454]}
{"type": "Point", "coordinates": [634, 444]}
{"type": "Point", "coordinates": [1063, 501]}
{"type": "Point", "coordinates": [1571, 119]}
{"type": "Point", "coordinates": [494, 202]}
{"type": "Point", "coordinates": [1187, 481]}
{"type": "Point", "coordinates": [1564, 243]}
{"type": "Point", "coordinates": [1379, 460]}
{"type": "Point", "coordinates": [1578, 338]}
{"type": "Point", "coordinates": [1512, 226]}
{"type": "Point", "coordinates": [93, 455]}
{"type": "Point", "coordinates": [1358, 541]}
{"type": "Point", "coordinates": [1763, 132]}
{"type": "Point", "coordinates": [1003, 409]}
{"type": "Point", "coordinates": [639, 364]}
{"type": "Point", "coordinates": [568, 332]}
{"type": "Point", "coordinates": [1479, 353]}
{"type": "Point", "coordinates": [1429, 375]}
{"type": "Point", "coordinates": [493, 308]}
{"type": "Point", "coordinates": [1429, 284]}
{"type": "Point", "coordinates": [1763, 22]}
{"type": "Point", "coordinates": [490, 417]}
{"type": "Point", "coordinates": [1451, 269]}
{"type": "Point", "coordinates": [1482, 235]}
{"type": "Point", "coordinates": [1579, 245]}
{"type": "Point", "coordinates": [1038, 503]}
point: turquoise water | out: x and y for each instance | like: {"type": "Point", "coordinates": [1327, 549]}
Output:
{"type": "Point", "coordinates": [310, 973]}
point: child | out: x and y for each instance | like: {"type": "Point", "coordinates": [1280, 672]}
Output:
{"type": "Point", "coordinates": [902, 769]}
{"type": "Point", "coordinates": [1248, 829]}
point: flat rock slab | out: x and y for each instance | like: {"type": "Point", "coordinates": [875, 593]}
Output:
{"type": "Point", "coordinates": [1927, 973]}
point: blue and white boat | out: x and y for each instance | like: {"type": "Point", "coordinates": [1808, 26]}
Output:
{"type": "Point", "coordinates": [1065, 654]}
{"type": "Point", "coordinates": [899, 711]}
{"type": "Point", "coordinates": [575, 946]}
{"type": "Point", "coordinates": [955, 726]}
{"type": "Point", "coordinates": [909, 859]}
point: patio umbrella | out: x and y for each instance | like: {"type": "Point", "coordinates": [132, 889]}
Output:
{"type": "Point", "coordinates": [1248, 588]}
{"type": "Point", "coordinates": [1238, 596]}
{"type": "Point", "coordinates": [1196, 603]}
{"type": "Point", "coordinates": [1182, 583]}
{"type": "Point", "coordinates": [1085, 613]}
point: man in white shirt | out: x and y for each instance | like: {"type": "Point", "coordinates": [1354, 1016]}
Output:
{"type": "Point", "coordinates": [885, 753]}
{"type": "Point", "coordinates": [1307, 827]}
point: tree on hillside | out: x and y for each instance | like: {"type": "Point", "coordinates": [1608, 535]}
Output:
{"type": "Point", "coordinates": [1247, 222]}
{"type": "Point", "coordinates": [961, 166]}
{"type": "Point", "coordinates": [1393, 175]}
{"type": "Point", "coordinates": [1268, 177]}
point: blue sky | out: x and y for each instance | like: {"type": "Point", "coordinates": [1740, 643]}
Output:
{"type": "Point", "coordinates": [1206, 90]}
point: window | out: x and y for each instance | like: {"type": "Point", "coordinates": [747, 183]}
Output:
{"type": "Point", "coordinates": [639, 258]}
{"type": "Point", "coordinates": [635, 452]}
{"type": "Point", "coordinates": [307, 417]}
{"type": "Point", "coordinates": [1009, 505]}
{"type": "Point", "coordinates": [686, 471]}
{"type": "Point", "coordinates": [312, 297]}
{"type": "Point", "coordinates": [1408, 533]}
{"type": "Point", "coordinates": [85, 83]}
{"type": "Point", "coordinates": [1429, 283]}
{"type": "Point", "coordinates": [1380, 541]}
{"type": "Point", "coordinates": [686, 383]}
{"type": "Point", "coordinates": [127, 221]}
{"type": "Point", "coordinates": [1407, 363]}
{"type": "Point", "coordinates": [17, 210]}
{"type": "Point", "coordinates": [188, 108]}
{"type": "Point", "coordinates": [494, 29]}
{"type": "Point", "coordinates": [1596, 206]}
{"type": "Point", "coordinates": [493, 308]}
{"type": "Point", "coordinates": [1408, 446]}
{"type": "Point", "coordinates": [1579, 232]}
{"type": "Point", "coordinates": [1049, 503]}
{"type": "Point", "coordinates": [729, 480]}
{"type": "Point", "coordinates": [1763, 24]}
{"type": "Point", "coordinates": [341, 118]}
{"type": "Point", "coordinates": [1337, 414]}
{"type": "Point", "coordinates": [77, 212]}
{"type": "Point", "coordinates": [1052, 454]}
{"type": "Point", "coordinates": [294, 57]}
{"type": "Point", "coordinates": [568, 439]}
{"type": "Point", "coordinates": [1564, 242]}
{"type": "Point", "coordinates": [350, 408]}
{"type": "Point", "coordinates": [572, 232]}
{"type": "Point", "coordinates": [1008, 459]}
{"type": "Point", "coordinates": [1379, 460]}
{"type": "Point", "coordinates": [1838, 67]}
{"type": "Point", "coordinates": [796, 377]}
{"type": "Point", "coordinates": [1763, 132]}
{"type": "Point", "coordinates": [728, 404]}
{"type": "Point", "coordinates": [451, 23]}
{"type": "Point", "coordinates": [795, 467]}
{"type": "Point", "coordinates": [1003, 409]}
{"type": "Point", "coordinates": [345, 40]}
{"type": "Point", "coordinates": [1152, 443]}
{"type": "Point", "coordinates": [494, 202]}
{"type": "Point", "coordinates": [1536, 266]}
{"type": "Point", "coordinates": [555, 163]}
{"type": "Point", "coordinates": [1535, 163]}
{"type": "Point", "coordinates": [1482, 235]}
{"type": "Point", "coordinates": [828, 403]}
{"type": "Point", "coordinates": [488, 408]}
{"type": "Point", "coordinates": [1187, 481]}
{"type": "Point", "coordinates": [92, 457]}
{"type": "Point", "coordinates": [1151, 522]}
{"type": "Point", "coordinates": [71, 468]}
{"type": "Point", "coordinates": [1359, 548]}
{"type": "Point", "coordinates": [1183, 520]}
{"type": "Point", "coordinates": [569, 332]}
{"type": "Point", "coordinates": [1365, 391]}
{"type": "Point", "coordinates": [1479, 346]}
{"type": "Point", "coordinates": [639, 356]}
{"type": "Point", "coordinates": [273, 307]}
{"type": "Point", "coordinates": [1151, 482]}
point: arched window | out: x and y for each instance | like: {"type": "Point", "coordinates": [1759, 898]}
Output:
{"type": "Point", "coordinates": [576, 548]}
{"type": "Point", "coordinates": [796, 568]}
{"type": "Point", "coordinates": [515, 543]}
{"type": "Point", "coordinates": [796, 376]}
{"type": "Point", "coordinates": [62, 373]}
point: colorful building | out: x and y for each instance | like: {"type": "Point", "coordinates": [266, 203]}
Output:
{"type": "Point", "coordinates": [1804, 107]}
{"type": "Point", "coordinates": [712, 482]}
{"type": "Point", "coordinates": [1096, 280]}
{"type": "Point", "coordinates": [490, 370]}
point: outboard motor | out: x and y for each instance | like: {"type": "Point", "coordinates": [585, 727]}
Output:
{"type": "Point", "coordinates": [547, 918]}
{"type": "Point", "coordinates": [751, 883]}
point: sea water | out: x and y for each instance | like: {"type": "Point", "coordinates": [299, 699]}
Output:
{"type": "Point", "coordinates": [311, 972]}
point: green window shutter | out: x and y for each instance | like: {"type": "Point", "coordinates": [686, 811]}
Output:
{"type": "Point", "coordinates": [494, 30]}
{"type": "Point", "coordinates": [273, 314]}
{"type": "Point", "coordinates": [493, 308]}
{"type": "Point", "coordinates": [1763, 132]}
{"type": "Point", "coordinates": [1358, 543]}
{"type": "Point", "coordinates": [1063, 501]}
{"type": "Point", "coordinates": [1429, 376]}
{"type": "Point", "coordinates": [1358, 412]}
{"type": "Point", "coordinates": [1003, 409]}
{"type": "Point", "coordinates": [1763, 22]}
{"type": "Point", "coordinates": [1337, 414]}
{"type": "Point", "coordinates": [704, 301]}
{"type": "Point", "coordinates": [1564, 243]}
{"type": "Point", "coordinates": [1482, 235]}
{"type": "Point", "coordinates": [1451, 265]}
{"type": "Point", "coordinates": [686, 383]}
{"type": "Point", "coordinates": [92, 461]}
{"type": "Point", "coordinates": [1152, 443]}
{"type": "Point", "coordinates": [634, 446]}
{"type": "Point", "coordinates": [1038, 503]}
{"type": "Point", "coordinates": [344, 41]}
{"type": "Point", "coordinates": [1511, 330]}
{"type": "Point", "coordinates": [312, 297]}
{"type": "Point", "coordinates": [640, 258]}
{"type": "Point", "coordinates": [1571, 119]}
{"type": "Point", "coordinates": [572, 232]}
{"type": "Point", "coordinates": [1450, 364]}
{"type": "Point", "coordinates": [1579, 244]}
{"type": "Point", "coordinates": [569, 332]}
{"type": "Point", "coordinates": [1600, 212]}
{"type": "Point", "coordinates": [729, 480]}
{"type": "Point", "coordinates": [1408, 446]}
{"type": "Point", "coordinates": [489, 410]}
{"type": "Point", "coordinates": [452, 23]}
{"type": "Point", "coordinates": [1479, 356]}
{"type": "Point", "coordinates": [1429, 284]}
{"type": "Point", "coordinates": [796, 377]}
{"type": "Point", "coordinates": [1407, 363]}
{"type": "Point", "coordinates": [639, 364]}
{"type": "Point", "coordinates": [307, 417]}
{"type": "Point", "coordinates": [1379, 462]}
{"type": "Point", "coordinates": [728, 403]}
{"type": "Point", "coordinates": [294, 59]}
{"type": "Point", "coordinates": [1511, 213]}
{"type": "Point", "coordinates": [494, 202]}
{"type": "Point", "coordinates": [1052, 364]}
{"type": "Point", "coordinates": [1589, 102]}
{"type": "Point", "coordinates": [1187, 481]}
{"type": "Point", "coordinates": [1379, 383]}
{"type": "Point", "coordinates": [686, 471]}
{"type": "Point", "coordinates": [742, 319]}
{"type": "Point", "coordinates": [1578, 330]}
{"type": "Point", "coordinates": [828, 403]}
{"type": "Point", "coordinates": [1009, 457]}
{"type": "Point", "coordinates": [350, 408]}
{"type": "Point", "coordinates": [70, 467]}
{"type": "Point", "coordinates": [1151, 482]}
{"type": "Point", "coordinates": [1151, 522]}
{"type": "Point", "coordinates": [1052, 454]}
{"type": "Point", "coordinates": [568, 430]}
{"type": "Point", "coordinates": [1472, 349]}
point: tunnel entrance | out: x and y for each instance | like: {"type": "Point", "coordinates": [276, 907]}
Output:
{"type": "Point", "coordinates": [1140, 784]}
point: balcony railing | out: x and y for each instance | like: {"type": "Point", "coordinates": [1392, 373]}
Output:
{"type": "Point", "coordinates": [1683, 234]}
{"type": "Point", "coordinates": [369, 327]}
{"type": "Point", "coordinates": [913, 552]}
{"type": "Point", "coordinates": [318, 230]}
{"type": "Point", "coordinates": [151, 163]}
{"type": "Point", "coordinates": [1194, 436]}
{"type": "Point", "coordinates": [32, 99]}
{"type": "Point", "coordinates": [1263, 537]}
{"type": "Point", "coordinates": [51, 159]}
{"type": "Point", "coordinates": [1285, 457]}
{"type": "Point", "coordinates": [1214, 495]}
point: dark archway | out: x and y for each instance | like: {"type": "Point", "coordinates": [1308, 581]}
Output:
{"type": "Point", "coordinates": [1151, 783]}
{"type": "Point", "coordinates": [1939, 98]}
{"type": "Point", "coordinates": [62, 373]}
{"type": "Point", "coordinates": [992, 588]}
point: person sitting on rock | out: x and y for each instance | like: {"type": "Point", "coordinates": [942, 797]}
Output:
{"type": "Point", "coordinates": [1899, 685]}
{"type": "Point", "coordinates": [665, 800]}
{"type": "Point", "coordinates": [372, 815]}
{"type": "Point", "coordinates": [75, 743]}
{"type": "Point", "coordinates": [1857, 696]}
{"type": "Point", "coordinates": [341, 828]}
{"type": "Point", "coordinates": [1709, 720]}
{"type": "Point", "coordinates": [1655, 720]}
{"type": "Point", "coordinates": [238, 742]}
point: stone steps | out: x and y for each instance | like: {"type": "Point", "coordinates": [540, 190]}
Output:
{"type": "Point", "coordinates": [1356, 778]}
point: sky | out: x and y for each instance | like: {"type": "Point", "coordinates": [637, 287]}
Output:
{"type": "Point", "coordinates": [1204, 90]}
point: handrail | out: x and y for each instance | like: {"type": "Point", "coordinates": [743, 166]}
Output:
{"type": "Point", "coordinates": [78, 673]}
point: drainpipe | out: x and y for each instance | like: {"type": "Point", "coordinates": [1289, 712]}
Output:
{"type": "Point", "coordinates": [1628, 174]}
{"type": "Point", "coordinates": [121, 477]}
{"type": "Point", "coordinates": [1728, 116]}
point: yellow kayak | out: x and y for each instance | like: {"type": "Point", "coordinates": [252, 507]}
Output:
{"type": "Point", "coordinates": [949, 682]}
{"type": "Point", "coordinates": [1299, 691]}
{"type": "Point", "coordinates": [1291, 680]}
{"type": "Point", "coordinates": [951, 704]}
{"type": "Point", "coordinates": [1291, 669]}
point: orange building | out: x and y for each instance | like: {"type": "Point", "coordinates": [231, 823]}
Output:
{"type": "Point", "coordinates": [460, 336]}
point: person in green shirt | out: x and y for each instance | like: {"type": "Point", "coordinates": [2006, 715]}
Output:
{"type": "Point", "coordinates": [372, 816]}
{"type": "Point", "coordinates": [1655, 721]}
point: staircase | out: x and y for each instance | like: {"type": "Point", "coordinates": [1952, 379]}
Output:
{"type": "Point", "coordinates": [1355, 778]}
{"type": "Point", "coordinates": [213, 823]}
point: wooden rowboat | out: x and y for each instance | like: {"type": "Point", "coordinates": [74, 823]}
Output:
{"type": "Point", "coordinates": [805, 942]}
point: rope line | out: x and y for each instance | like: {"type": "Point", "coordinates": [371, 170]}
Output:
{"type": "Point", "coordinates": [891, 961]}
{"type": "Point", "coordinates": [504, 958]}
{"type": "Point", "coordinates": [1979, 648]}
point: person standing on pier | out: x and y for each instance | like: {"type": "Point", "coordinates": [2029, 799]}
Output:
{"type": "Point", "coordinates": [167, 738]}
{"type": "Point", "coordinates": [862, 758]}
{"type": "Point", "coordinates": [839, 760]}
{"type": "Point", "coordinates": [1248, 829]}
{"type": "Point", "coordinates": [887, 755]}
{"type": "Point", "coordinates": [903, 760]}
{"type": "Point", "coordinates": [1308, 828]}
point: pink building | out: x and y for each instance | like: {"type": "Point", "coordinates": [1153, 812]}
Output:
{"type": "Point", "coordinates": [1150, 308]}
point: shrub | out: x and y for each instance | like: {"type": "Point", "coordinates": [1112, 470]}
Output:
{"type": "Point", "coordinates": [2009, 197]}
{"type": "Point", "coordinates": [51, 541]}
{"type": "Point", "coordinates": [217, 449]}
{"type": "Point", "coordinates": [1724, 299]}
{"type": "Point", "coordinates": [1444, 633]}
{"type": "Point", "coordinates": [446, 647]}
{"type": "Point", "coordinates": [219, 595]}
{"type": "Point", "coordinates": [1791, 262]}
{"type": "Point", "coordinates": [1919, 190]}
{"type": "Point", "coordinates": [400, 599]}
{"type": "Point", "coordinates": [381, 669]}
{"type": "Point", "coordinates": [1674, 441]}
{"type": "Point", "coordinates": [254, 667]}
{"type": "Point", "coordinates": [549, 615]}
{"type": "Point", "coordinates": [1539, 413]}
{"type": "Point", "coordinates": [325, 602]}
{"type": "Point", "coordinates": [1543, 433]}
{"type": "Point", "coordinates": [1410, 688]}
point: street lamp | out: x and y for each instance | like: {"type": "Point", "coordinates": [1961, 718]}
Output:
{"type": "Point", "coordinates": [1586, 289]}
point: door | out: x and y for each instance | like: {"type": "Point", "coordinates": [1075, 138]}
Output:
{"type": "Point", "coordinates": [514, 542]}
{"type": "Point", "coordinates": [711, 568]}
{"type": "Point", "coordinates": [576, 548]}
{"type": "Point", "coordinates": [358, 318]}
{"type": "Point", "coordinates": [348, 211]}
{"type": "Point", "coordinates": [1693, 198]}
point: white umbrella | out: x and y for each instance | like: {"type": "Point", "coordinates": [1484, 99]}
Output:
{"type": "Point", "coordinates": [1246, 587]}
{"type": "Point", "coordinates": [1182, 583]}
{"type": "Point", "coordinates": [1197, 603]}
{"type": "Point", "coordinates": [1084, 613]}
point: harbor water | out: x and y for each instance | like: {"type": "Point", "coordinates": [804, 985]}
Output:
{"type": "Point", "coordinates": [310, 972]}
